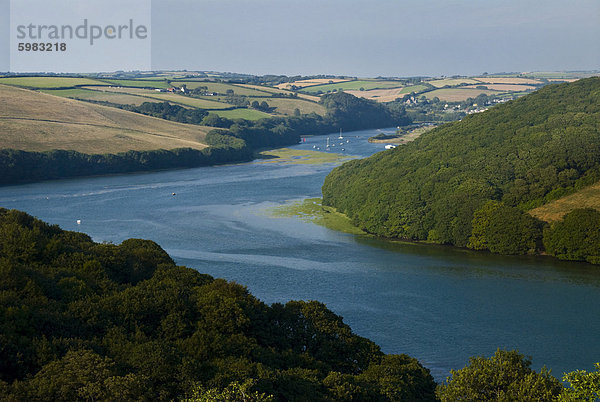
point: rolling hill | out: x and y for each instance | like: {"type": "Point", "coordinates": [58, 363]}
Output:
{"type": "Point", "coordinates": [469, 183]}
{"type": "Point", "coordinates": [34, 121]}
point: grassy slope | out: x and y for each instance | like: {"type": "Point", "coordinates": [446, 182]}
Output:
{"type": "Point", "coordinates": [34, 121]}
{"type": "Point", "coordinates": [354, 85]}
{"type": "Point", "coordinates": [99, 96]}
{"type": "Point", "coordinates": [588, 197]}
{"type": "Point", "coordinates": [49, 82]}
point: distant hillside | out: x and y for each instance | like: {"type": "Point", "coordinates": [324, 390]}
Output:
{"type": "Point", "coordinates": [467, 183]}
{"type": "Point", "coordinates": [33, 121]}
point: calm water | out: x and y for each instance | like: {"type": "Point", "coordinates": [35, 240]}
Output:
{"type": "Point", "coordinates": [437, 304]}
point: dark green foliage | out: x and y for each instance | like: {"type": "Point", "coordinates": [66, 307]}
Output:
{"type": "Point", "coordinates": [357, 113]}
{"type": "Point", "coordinates": [522, 153]}
{"type": "Point", "coordinates": [504, 230]}
{"type": "Point", "coordinates": [576, 237]}
{"type": "Point", "coordinates": [506, 376]}
{"type": "Point", "coordinates": [87, 321]}
{"type": "Point", "coordinates": [168, 111]}
{"type": "Point", "coordinates": [22, 166]}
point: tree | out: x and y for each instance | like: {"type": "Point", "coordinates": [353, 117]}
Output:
{"type": "Point", "coordinates": [506, 376]}
{"type": "Point", "coordinates": [234, 392]}
{"type": "Point", "coordinates": [576, 237]}
{"type": "Point", "coordinates": [584, 386]}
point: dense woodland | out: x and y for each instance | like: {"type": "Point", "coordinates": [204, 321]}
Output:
{"type": "Point", "coordinates": [470, 183]}
{"type": "Point", "coordinates": [231, 141]}
{"type": "Point", "coordinates": [85, 321]}
{"type": "Point", "coordinates": [81, 320]}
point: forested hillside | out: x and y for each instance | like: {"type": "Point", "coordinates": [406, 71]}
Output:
{"type": "Point", "coordinates": [470, 183]}
{"type": "Point", "coordinates": [86, 321]}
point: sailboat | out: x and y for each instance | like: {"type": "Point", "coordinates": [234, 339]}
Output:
{"type": "Point", "coordinates": [340, 137]}
{"type": "Point", "coordinates": [327, 143]}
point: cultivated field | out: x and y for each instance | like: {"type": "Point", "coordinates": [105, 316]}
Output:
{"type": "Point", "coordinates": [221, 88]}
{"type": "Point", "coordinates": [507, 80]}
{"type": "Point", "coordinates": [458, 94]}
{"type": "Point", "coordinates": [147, 83]}
{"type": "Point", "coordinates": [504, 87]}
{"type": "Point", "coordinates": [308, 83]}
{"type": "Point", "coordinates": [288, 105]}
{"type": "Point", "coordinates": [49, 82]}
{"type": "Point", "coordinates": [386, 95]}
{"type": "Point", "coordinates": [354, 85]}
{"type": "Point", "coordinates": [588, 197]}
{"type": "Point", "coordinates": [452, 82]}
{"type": "Point", "coordinates": [170, 97]}
{"type": "Point", "coordinates": [99, 96]}
{"type": "Point", "coordinates": [34, 121]}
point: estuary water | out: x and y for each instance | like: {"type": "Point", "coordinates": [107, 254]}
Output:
{"type": "Point", "coordinates": [438, 304]}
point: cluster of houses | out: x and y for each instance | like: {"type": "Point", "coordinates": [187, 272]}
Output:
{"type": "Point", "coordinates": [183, 89]}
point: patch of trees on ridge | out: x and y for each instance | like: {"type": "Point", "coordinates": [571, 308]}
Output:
{"type": "Point", "coordinates": [470, 183]}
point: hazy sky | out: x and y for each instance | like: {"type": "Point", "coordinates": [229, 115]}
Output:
{"type": "Point", "coordinates": [371, 38]}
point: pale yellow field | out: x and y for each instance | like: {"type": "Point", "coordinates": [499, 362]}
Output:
{"type": "Point", "coordinates": [504, 87]}
{"type": "Point", "coordinates": [507, 80]}
{"type": "Point", "coordinates": [588, 197]}
{"type": "Point", "coordinates": [308, 83]}
{"type": "Point", "coordinates": [34, 121]}
{"type": "Point", "coordinates": [379, 95]}
{"type": "Point", "coordinates": [451, 82]}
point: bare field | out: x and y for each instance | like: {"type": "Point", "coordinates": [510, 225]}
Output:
{"type": "Point", "coordinates": [457, 94]}
{"type": "Point", "coordinates": [507, 80]}
{"type": "Point", "coordinates": [33, 121]}
{"type": "Point", "coordinates": [588, 197]}
{"type": "Point", "coordinates": [505, 87]}
{"type": "Point", "coordinates": [379, 95]}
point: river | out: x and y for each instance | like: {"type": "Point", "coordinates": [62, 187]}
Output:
{"type": "Point", "coordinates": [438, 304]}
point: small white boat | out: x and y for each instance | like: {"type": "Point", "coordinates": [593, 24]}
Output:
{"type": "Point", "coordinates": [390, 146]}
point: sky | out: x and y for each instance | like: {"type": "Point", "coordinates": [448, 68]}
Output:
{"type": "Point", "coordinates": [369, 38]}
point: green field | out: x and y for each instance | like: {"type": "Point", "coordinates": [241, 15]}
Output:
{"type": "Point", "coordinates": [147, 83]}
{"type": "Point", "coordinates": [173, 97]}
{"type": "Point", "coordinates": [220, 88]}
{"type": "Point", "coordinates": [99, 96]}
{"type": "Point", "coordinates": [49, 82]}
{"type": "Point", "coordinates": [353, 85]}
{"type": "Point", "coordinates": [188, 101]}
{"type": "Point", "coordinates": [288, 105]}
{"type": "Point", "coordinates": [248, 114]}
